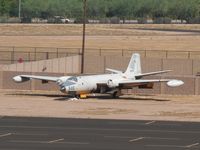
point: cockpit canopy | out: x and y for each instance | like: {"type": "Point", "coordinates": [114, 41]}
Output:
{"type": "Point", "coordinates": [74, 79]}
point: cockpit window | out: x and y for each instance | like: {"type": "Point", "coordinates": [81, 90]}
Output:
{"type": "Point", "coordinates": [73, 79]}
{"type": "Point", "coordinates": [69, 83]}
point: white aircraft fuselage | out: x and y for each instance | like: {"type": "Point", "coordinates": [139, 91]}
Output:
{"type": "Point", "coordinates": [87, 84]}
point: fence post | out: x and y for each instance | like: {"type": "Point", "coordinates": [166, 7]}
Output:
{"type": "Point", "coordinates": [196, 86]}
{"type": "Point", "coordinates": [12, 55]}
{"type": "Point", "coordinates": [35, 53]}
{"type": "Point", "coordinates": [80, 52]}
{"type": "Point", "coordinates": [189, 54]}
{"type": "Point", "coordinates": [29, 56]}
{"type": "Point", "coordinates": [162, 63]}
{"type": "Point", "coordinates": [122, 52]}
{"type": "Point", "coordinates": [47, 55]}
{"type": "Point", "coordinates": [193, 67]}
{"type": "Point", "coordinates": [100, 52]}
{"type": "Point", "coordinates": [57, 52]}
{"type": "Point", "coordinates": [145, 53]}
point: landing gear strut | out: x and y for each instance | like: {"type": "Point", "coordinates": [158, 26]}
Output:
{"type": "Point", "coordinates": [116, 94]}
{"type": "Point", "coordinates": [81, 96]}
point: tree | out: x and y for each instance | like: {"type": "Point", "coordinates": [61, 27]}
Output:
{"type": "Point", "coordinates": [175, 9]}
{"type": "Point", "coordinates": [4, 7]}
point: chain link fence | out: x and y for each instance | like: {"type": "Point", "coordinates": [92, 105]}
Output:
{"type": "Point", "coordinates": [11, 55]}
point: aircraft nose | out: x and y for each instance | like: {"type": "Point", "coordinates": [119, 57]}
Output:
{"type": "Point", "coordinates": [64, 89]}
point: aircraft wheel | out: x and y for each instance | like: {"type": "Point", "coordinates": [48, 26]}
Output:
{"type": "Point", "coordinates": [115, 95]}
{"type": "Point", "coordinates": [77, 96]}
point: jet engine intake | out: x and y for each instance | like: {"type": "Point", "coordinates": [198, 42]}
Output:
{"type": "Point", "coordinates": [112, 84]}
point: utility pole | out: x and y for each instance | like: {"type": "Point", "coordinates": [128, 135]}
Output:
{"type": "Point", "coordinates": [83, 41]}
{"type": "Point", "coordinates": [19, 15]}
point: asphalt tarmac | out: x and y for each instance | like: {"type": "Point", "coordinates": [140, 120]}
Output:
{"type": "Point", "coordinates": [89, 134]}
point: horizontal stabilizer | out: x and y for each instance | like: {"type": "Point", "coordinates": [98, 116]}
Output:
{"type": "Point", "coordinates": [151, 73]}
{"type": "Point", "coordinates": [114, 71]}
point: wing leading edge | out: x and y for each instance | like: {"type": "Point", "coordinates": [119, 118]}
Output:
{"type": "Point", "coordinates": [135, 83]}
{"type": "Point", "coordinates": [22, 78]}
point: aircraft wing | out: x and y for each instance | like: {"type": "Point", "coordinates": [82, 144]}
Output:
{"type": "Point", "coordinates": [133, 83]}
{"type": "Point", "coordinates": [22, 78]}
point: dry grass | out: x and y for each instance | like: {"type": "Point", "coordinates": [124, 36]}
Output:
{"type": "Point", "coordinates": [136, 37]}
{"type": "Point", "coordinates": [95, 30]}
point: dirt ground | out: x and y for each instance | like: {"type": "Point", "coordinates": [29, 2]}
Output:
{"type": "Point", "coordinates": [135, 37]}
{"type": "Point", "coordinates": [154, 107]}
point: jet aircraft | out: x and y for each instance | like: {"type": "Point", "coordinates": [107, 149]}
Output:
{"type": "Point", "coordinates": [112, 83]}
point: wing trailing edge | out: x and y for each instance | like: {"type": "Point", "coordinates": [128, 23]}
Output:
{"type": "Point", "coordinates": [138, 76]}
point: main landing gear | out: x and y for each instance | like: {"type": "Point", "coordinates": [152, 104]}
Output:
{"type": "Point", "coordinates": [116, 94]}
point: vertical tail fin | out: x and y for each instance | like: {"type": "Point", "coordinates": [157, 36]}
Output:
{"type": "Point", "coordinates": [134, 67]}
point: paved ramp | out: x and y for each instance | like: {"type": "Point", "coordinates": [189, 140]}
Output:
{"type": "Point", "coordinates": [87, 134]}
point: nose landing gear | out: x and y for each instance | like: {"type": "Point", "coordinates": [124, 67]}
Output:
{"type": "Point", "coordinates": [81, 96]}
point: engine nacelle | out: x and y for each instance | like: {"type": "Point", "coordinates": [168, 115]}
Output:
{"type": "Point", "coordinates": [20, 79]}
{"type": "Point", "coordinates": [146, 86]}
{"type": "Point", "coordinates": [175, 83]}
{"type": "Point", "coordinates": [112, 83]}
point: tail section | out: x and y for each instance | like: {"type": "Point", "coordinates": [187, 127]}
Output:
{"type": "Point", "coordinates": [134, 67]}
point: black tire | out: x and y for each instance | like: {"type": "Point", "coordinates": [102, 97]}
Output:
{"type": "Point", "coordinates": [114, 95]}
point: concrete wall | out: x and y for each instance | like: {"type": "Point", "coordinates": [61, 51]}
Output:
{"type": "Point", "coordinates": [69, 64]}
{"type": "Point", "coordinates": [8, 83]}
{"type": "Point", "coordinates": [94, 64]}
{"type": "Point", "coordinates": [185, 67]}
{"type": "Point", "coordinates": [187, 89]}
{"type": "Point", "coordinates": [179, 66]}
{"type": "Point", "coordinates": [1, 80]}
{"type": "Point", "coordinates": [98, 64]}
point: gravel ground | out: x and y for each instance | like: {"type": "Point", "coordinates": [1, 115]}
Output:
{"type": "Point", "coordinates": [45, 104]}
